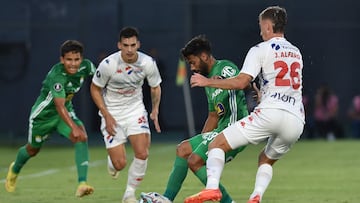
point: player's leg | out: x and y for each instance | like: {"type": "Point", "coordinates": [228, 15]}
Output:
{"type": "Point", "coordinates": [24, 154]}
{"type": "Point", "coordinates": [138, 132]}
{"type": "Point", "coordinates": [115, 146]}
{"type": "Point", "coordinates": [140, 144]}
{"type": "Point", "coordinates": [215, 163]}
{"type": "Point", "coordinates": [81, 157]}
{"type": "Point", "coordinates": [288, 129]}
{"type": "Point", "coordinates": [178, 172]}
{"type": "Point", "coordinates": [180, 167]}
{"type": "Point", "coordinates": [197, 161]}
{"type": "Point", "coordinates": [38, 132]}
{"type": "Point", "coordinates": [116, 159]}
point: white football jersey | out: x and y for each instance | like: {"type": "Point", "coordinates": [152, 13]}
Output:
{"type": "Point", "coordinates": [122, 82]}
{"type": "Point", "coordinates": [279, 66]}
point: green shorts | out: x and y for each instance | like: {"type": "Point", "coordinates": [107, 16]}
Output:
{"type": "Point", "coordinates": [200, 143]}
{"type": "Point", "coordinates": [41, 128]}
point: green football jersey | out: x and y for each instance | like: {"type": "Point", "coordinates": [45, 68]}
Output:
{"type": "Point", "coordinates": [59, 84]}
{"type": "Point", "coordinates": [230, 105]}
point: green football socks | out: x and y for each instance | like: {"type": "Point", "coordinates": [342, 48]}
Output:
{"type": "Point", "coordinates": [82, 160]}
{"type": "Point", "coordinates": [176, 178]}
{"type": "Point", "coordinates": [21, 158]}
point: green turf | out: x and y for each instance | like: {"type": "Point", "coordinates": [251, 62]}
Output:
{"type": "Point", "coordinates": [312, 172]}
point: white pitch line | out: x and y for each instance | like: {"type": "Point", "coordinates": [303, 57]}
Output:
{"type": "Point", "coordinates": [52, 171]}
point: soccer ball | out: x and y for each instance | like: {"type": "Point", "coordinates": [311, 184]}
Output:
{"type": "Point", "coordinates": [153, 197]}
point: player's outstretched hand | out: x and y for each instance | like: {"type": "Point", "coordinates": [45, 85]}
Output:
{"type": "Point", "coordinates": [198, 80]}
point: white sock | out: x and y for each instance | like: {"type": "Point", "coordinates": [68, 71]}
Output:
{"type": "Point", "coordinates": [263, 179]}
{"type": "Point", "coordinates": [110, 164]}
{"type": "Point", "coordinates": [214, 167]}
{"type": "Point", "coordinates": [136, 174]}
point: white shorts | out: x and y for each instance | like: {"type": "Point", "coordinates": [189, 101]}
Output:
{"type": "Point", "coordinates": [281, 129]}
{"type": "Point", "coordinates": [130, 123]}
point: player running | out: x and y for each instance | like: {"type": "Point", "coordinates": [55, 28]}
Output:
{"type": "Point", "coordinates": [53, 111]}
{"type": "Point", "coordinates": [116, 90]}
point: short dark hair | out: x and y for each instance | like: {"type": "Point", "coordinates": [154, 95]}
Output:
{"type": "Point", "coordinates": [277, 15]}
{"type": "Point", "coordinates": [196, 46]}
{"type": "Point", "coordinates": [128, 32]}
{"type": "Point", "coordinates": [71, 46]}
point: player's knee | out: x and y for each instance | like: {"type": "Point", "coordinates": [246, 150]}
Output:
{"type": "Point", "coordinates": [31, 150]}
{"type": "Point", "coordinates": [263, 159]}
{"type": "Point", "coordinates": [143, 155]}
{"type": "Point", "coordinates": [195, 162]}
{"type": "Point", "coordinates": [183, 149]}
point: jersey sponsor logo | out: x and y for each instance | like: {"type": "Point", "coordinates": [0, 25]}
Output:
{"type": "Point", "coordinates": [98, 74]}
{"type": "Point", "coordinates": [58, 87]}
{"type": "Point", "coordinates": [220, 109]}
{"type": "Point", "coordinates": [228, 71]}
{"type": "Point", "coordinates": [126, 92]}
{"type": "Point", "coordinates": [284, 98]}
{"type": "Point", "coordinates": [216, 93]}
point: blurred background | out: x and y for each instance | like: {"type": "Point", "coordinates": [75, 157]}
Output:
{"type": "Point", "coordinates": [327, 33]}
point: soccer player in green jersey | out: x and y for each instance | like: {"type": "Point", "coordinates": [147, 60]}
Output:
{"type": "Point", "coordinates": [53, 111]}
{"type": "Point", "coordinates": [225, 107]}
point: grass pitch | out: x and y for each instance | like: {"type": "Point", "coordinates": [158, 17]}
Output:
{"type": "Point", "coordinates": [312, 172]}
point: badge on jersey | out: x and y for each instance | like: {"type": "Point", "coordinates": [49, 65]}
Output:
{"type": "Point", "coordinates": [275, 46]}
{"type": "Point", "coordinates": [58, 87]}
{"type": "Point", "coordinates": [98, 74]}
{"type": "Point", "coordinates": [220, 109]}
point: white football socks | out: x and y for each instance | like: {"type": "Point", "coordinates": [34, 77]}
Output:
{"type": "Point", "coordinates": [214, 167]}
{"type": "Point", "coordinates": [263, 179]}
{"type": "Point", "coordinates": [136, 174]}
{"type": "Point", "coordinates": [110, 164]}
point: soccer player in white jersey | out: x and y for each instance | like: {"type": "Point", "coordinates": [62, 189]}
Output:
{"type": "Point", "coordinates": [117, 91]}
{"type": "Point", "coordinates": [279, 117]}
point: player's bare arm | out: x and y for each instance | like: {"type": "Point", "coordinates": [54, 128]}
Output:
{"type": "Point", "coordinates": [211, 122]}
{"type": "Point", "coordinates": [77, 134]}
{"type": "Point", "coordinates": [241, 81]}
{"type": "Point", "coordinates": [96, 94]}
{"type": "Point", "coordinates": [155, 100]}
